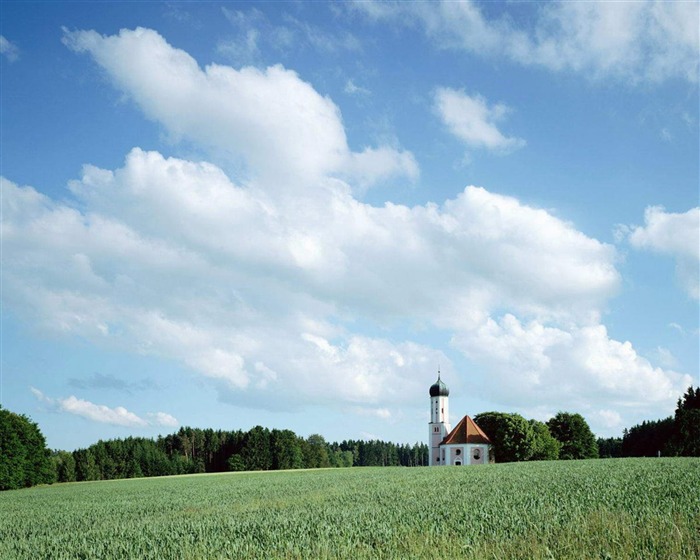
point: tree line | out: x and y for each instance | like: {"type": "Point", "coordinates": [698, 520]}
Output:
{"type": "Point", "coordinates": [677, 435]}
{"type": "Point", "coordinates": [190, 450]}
{"type": "Point", "coordinates": [568, 436]}
{"type": "Point", "coordinates": [25, 460]}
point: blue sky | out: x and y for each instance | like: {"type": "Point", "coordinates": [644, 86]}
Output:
{"type": "Point", "coordinates": [291, 214]}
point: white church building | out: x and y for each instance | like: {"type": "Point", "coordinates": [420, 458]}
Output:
{"type": "Point", "coordinates": [467, 444]}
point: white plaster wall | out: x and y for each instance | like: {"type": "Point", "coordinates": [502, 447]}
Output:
{"type": "Point", "coordinates": [450, 453]}
{"type": "Point", "coordinates": [439, 409]}
{"type": "Point", "coordinates": [439, 418]}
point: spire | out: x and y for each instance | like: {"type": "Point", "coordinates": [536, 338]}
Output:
{"type": "Point", "coordinates": [439, 389]}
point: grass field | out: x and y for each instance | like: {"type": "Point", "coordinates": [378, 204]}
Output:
{"type": "Point", "coordinates": [615, 508]}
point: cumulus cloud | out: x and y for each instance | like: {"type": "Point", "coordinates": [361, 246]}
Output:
{"type": "Point", "coordinates": [8, 49]}
{"type": "Point", "coordinates": [117, 416]}
{"type": "Point", "coordinates": [259, 287]}
{"type": "Point", "coordinates": [170, 258]}
{"type": "Point", "coordinates": [646, 41]}
{"type": "Point", "coordinates": [473, 121]}
{"type": "Point", "coordinates": [567, 367]}
{"type": "Point", "coordinates": [676, 235]}
{"type": "Point", "coordinates": [245, 114]}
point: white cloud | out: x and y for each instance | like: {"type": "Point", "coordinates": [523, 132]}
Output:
{"type": "Point", "coordinates": [372, 165]}
{"type": "Point", "coordinates": [267, 317]}
{"type": "Point", "coordinates": [260, 288]}
{"type": "Point", "coordinates": [117, 416]}
{"type": "Point", "coordinates": [471, 120]}
{"type": "Point", "coordinates": [40, 396]}
{"type": "Point", "coordinates": [645, 41]}
{"type": "Point", "coordinates": [610, 419]}
{"type": "Point", "coordinates": [676, 235]}
{"type": "Point", "coordinates": [568, 367]}
{"type": "Point", "coordinates": [247, 113]}
{"type": "Point", "coordinates": [10, 50]}
{"type": "Point", "coordinates": [163, 419]}
{"type": "Point", "coordinates": [247, 274]}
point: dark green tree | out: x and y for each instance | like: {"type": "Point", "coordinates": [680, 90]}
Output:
{"type": "Point", "coordinates": [85, 467]}
{"type": "Point", "coordinates": [286, 450]}
{"type": "Point", "coordinates": [545, 446]}
{"type": "Point", "coordinates": [609, 447]}
{"type": "Point", "coordinates": [316, 452]}
{"type": "Point", "coordinates": [256, 450]}
{"type": "Point", "coordinates": [64, 463]}
{"type": "Point", "coordinates": [236, 463]}
{"type": "Point", "coordinates": [24, 458]}
{"type": "Point", "coordinates": [345, 459]}
{"type": "Point", "coordinates": [574, 434]}
{"type": "Point", "coordinates": [512, 436]}
{"type": "Point", "coordinates": [649, 439]}
{"type": "Point", "coordinates": [686, 425]}
{"type": "Point", "coordinates": [12, 453]}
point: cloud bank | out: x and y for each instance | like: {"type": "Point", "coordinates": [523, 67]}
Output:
{"type": "Point", "coordinates": [265, 285]}
{"type": "Point", "coordinates": [636, 42]}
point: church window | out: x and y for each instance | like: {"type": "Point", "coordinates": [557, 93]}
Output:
{"type": "Point", "coordinates": [458, 451]}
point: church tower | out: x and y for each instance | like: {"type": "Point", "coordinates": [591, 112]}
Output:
{"type": "Point", "coordinates": [439, 420]}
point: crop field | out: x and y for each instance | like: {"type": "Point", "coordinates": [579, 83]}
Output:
{"type": "Point", "coordinates": [615, 508]}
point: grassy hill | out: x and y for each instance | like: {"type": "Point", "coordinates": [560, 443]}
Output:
{"type": "Point", "coordinates": [616, 508]}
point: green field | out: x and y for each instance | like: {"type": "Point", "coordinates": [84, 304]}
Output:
{"type": "Point", "coordinates": [615, 508]}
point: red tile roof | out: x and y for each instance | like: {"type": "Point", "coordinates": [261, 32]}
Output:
{"type": "Point", "coordinates": [466, 432]}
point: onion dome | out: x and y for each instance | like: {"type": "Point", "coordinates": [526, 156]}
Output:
{"type": "Point", "coordinates": [439, 389]}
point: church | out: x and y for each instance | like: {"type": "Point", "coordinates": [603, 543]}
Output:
{"type": "Point", "coordinates": [467, 444]}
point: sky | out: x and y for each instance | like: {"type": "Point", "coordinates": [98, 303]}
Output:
{"type": "Point", "coordinates": [293, 214]}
